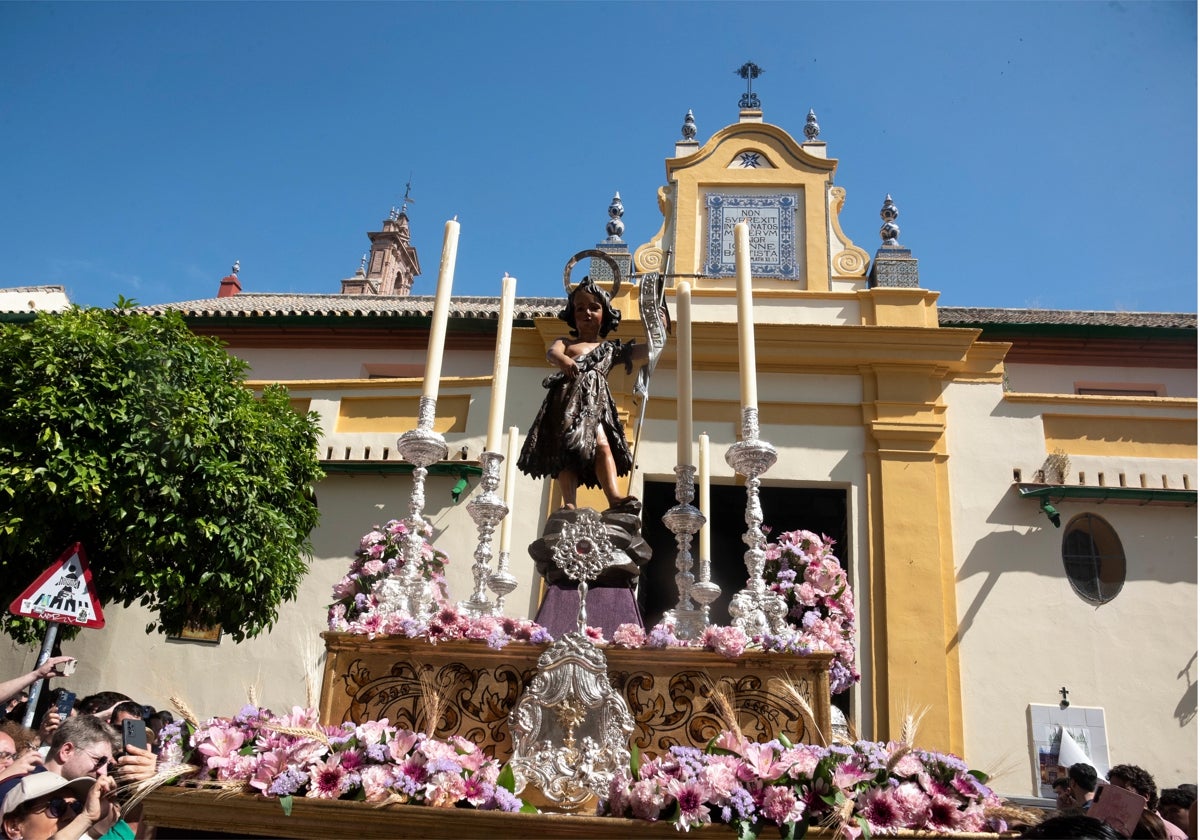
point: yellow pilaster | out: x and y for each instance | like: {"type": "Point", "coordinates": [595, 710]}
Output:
{"type": "Point", "coordinates": [911, 598]}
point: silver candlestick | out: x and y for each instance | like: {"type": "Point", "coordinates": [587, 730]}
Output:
{"type": "Point", "coordinates": [502, 582]}
{"type": "Point", "coordinates": [684, 520]}
{"type": "Point", "coordinates": [421, 447]}
{"type": "Point", "coordinates": [487, 509]}
{"type": "Point", "coordinates": [755, 610]}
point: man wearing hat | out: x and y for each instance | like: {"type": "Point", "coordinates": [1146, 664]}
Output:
{"type": "Point", "coordinates": [44, 805]}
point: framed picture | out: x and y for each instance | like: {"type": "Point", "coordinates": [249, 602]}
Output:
{"type": "Point", "coordinates": [197, 633]}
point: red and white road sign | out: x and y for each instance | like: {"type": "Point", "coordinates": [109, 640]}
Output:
{"type": "Point", "coordinates": [64, 593]}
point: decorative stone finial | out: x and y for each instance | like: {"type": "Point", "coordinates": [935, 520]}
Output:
{"type": "Point", "coordinates": [237, 266]}
{"type": "Point", "coordinates": [689, 126]}
{"type": "Point", "coordinates": [749, 71]}
{"type": "Point", "coordinates": [615, 226]}
{"type": "Point", "coordinates": [811, 130]}
{"type": "Point", "coordinates": [362, 266]}
{"type": "Point", "coordinates": [890, 231]}
{"type": "Point", "coordinates": [393, 215]}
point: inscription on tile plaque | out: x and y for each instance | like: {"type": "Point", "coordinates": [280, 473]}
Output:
{"type": "Point", "coordinates": [772, 221]}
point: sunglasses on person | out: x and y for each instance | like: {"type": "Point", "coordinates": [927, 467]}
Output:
{"type": "Point", "coordinates": [99, 761]}
{"type": "Point", "coordinates": [58, 807]}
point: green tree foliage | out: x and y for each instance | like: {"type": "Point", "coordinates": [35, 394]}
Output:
{"type": "Point", "coordinates": [138, 438]}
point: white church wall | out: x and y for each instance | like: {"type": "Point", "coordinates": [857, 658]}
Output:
{"type": "Point", "coordinates": [1023, 631]}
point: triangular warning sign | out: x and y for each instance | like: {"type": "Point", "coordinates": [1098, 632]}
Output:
{"type": "Point", "coordinates": [63, 593]}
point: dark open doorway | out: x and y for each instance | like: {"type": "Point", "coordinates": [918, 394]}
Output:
{"type": "Point", "coordinates": [784, 509]}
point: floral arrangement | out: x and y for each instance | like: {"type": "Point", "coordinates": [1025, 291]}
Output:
{"type": "Point", "coordinates": [860, 789]}
{"type": "Point", "coordinates": [802, 567]}
{"type": "Point", "coordinates": [291, 755]}
{"type": "Point", "coordinates": [360, 608]}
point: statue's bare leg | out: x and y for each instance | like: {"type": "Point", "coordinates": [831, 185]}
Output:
{"type": "Point", "coordinates": [606, 471]}
{"type": "Point", "coordinates": [568, 486]}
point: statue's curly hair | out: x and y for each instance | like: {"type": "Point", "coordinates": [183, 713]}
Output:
{"type": "Point", "coordinates": [611, 319]}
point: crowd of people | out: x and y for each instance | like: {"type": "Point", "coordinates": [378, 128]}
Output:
{"type": "Point", "coordinates": [1169, 813]}
{"type": "Point", "coordinates": [64, 779]}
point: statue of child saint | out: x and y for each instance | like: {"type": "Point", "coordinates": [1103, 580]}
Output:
{"type": "Point", "coordinates": [577, 436]}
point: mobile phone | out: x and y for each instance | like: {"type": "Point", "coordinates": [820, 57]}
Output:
{"type": "Point", "coordinates": [65, 704]}
{"type": "Point", "coordinates": [133, 730]}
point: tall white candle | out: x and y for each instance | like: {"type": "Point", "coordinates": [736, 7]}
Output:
{"type": "Point", "coordinates": [683, 314]}
{"type": "Point", "coordinates": [441, 311]}
{"type": "Point", "coordinates": [510, 488]}
{"type": "Point", "coordinates": [495, 425]}
{"type": "Point", "coordinates": [745, 311]}
{"type": "Point", "coordinates": [705, 554]}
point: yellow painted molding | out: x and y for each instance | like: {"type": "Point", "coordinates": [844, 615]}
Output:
{"type": "Point", "coordinates": [1112, 436]}
{"type": "Point", "coordinates": [885, 307]}
{"type": "Point", "coordinates": [403, 383]}
{"type": "Point", "coordinates": [851, 262]}
{"type": "Point", "coordinates": [1080, 400]}
{"type": "Point", "coordinates": [387, 414]}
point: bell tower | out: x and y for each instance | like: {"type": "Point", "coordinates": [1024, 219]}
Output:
{"type": "Point", "coordinates": [392, 264]}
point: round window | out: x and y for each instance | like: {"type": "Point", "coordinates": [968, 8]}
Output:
{"type": "Point", "coordinates": [1093, 558]}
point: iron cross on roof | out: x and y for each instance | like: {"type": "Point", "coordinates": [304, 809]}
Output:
{"type": "Point", "coordinates": [749, 71]}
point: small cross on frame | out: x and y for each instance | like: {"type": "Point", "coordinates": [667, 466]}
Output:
{"type": "Point", "coordinates": [1064, 692]}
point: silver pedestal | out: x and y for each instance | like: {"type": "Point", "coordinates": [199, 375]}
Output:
{"type": "Point", "coordinates": [755, 610]}
{"type": "Point", "coordinates": [684, 521]}
{"type": "Point", "coordinates": [487, 509]}
{"type": "Point", "coordinates": [421, 447]}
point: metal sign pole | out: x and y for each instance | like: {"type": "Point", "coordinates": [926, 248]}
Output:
{"type": "Point", "coordinates": [35, 690]}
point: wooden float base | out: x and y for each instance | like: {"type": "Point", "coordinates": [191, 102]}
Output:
{"type": "Point", "coordinates": [669, 690]}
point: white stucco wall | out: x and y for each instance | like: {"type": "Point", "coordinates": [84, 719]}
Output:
{"type": "Point", "coordinates": [1024, 633]}
{"type": "Point", "coordinates": [1061, 379]}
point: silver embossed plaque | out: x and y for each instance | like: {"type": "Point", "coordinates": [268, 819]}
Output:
{"type": "Point", "coordinates": [772, 221]}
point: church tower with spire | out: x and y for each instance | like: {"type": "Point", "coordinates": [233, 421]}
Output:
{"type": "Point", "coordinates": [392, 264]}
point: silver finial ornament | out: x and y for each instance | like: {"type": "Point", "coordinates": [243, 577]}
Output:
{"type": "Point", "coordinates": [237, 266]}
{"type": "Point", "coordinates": [811, 130]}
{"type": "Point", "coordinates": [615, 226]}
{"type": "Point", "coordinates": [689, 127]}
{"type": "Point", "coordinates": [749, 71]}
{"type": "Point", "coordinates": [362, 265]}
{"type": "Point", "coordinates": [890, 231]}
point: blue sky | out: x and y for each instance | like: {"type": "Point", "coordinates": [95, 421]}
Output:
{"type": "Point", "coordinates": [1042, 154]}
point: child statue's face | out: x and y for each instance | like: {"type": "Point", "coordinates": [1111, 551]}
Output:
{"type": "Point", "coordinates": [589, 314]}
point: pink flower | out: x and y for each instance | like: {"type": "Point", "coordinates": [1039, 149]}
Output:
{"type": "Point", "coordinates": [780, 805]}
{"type": "Point", "coordinates": [443, 790]}
{"type": "Point", "coordinates": [377, 781]}
{"type": "Point", "coordinates": [629, 635]}
{"type": "Point", "coordinates": [400, 746]}
{"type": "Point", "coordinates": [691, 796]}
{"type": "Point", "coordinates": [734, 742]}
{"type": "Point", "coordinates": [943, 812]}
{"type": "Point", "coordinates": [912, 804]}
{"type": "Point", "coordinates": [880, 810]}
{"type": "Point", "coordinates": [762, 760]}
{"type": "Point", "coordinates": [720, 777]}
{"type": "Point", "coordinates": [801, 761]}
{"type": "Point", "coordinates": [646, 800]}
{"type": "Point", "coordinates": [217, 743]}
{"type": "Point", "coordinates": [728, 641]}
{"type": "Point", "coordinates": [328, 779]}
{"type": "Point", "coordinates": [270, 764]}
{"type": "Point", "coordinates": [373, 567]}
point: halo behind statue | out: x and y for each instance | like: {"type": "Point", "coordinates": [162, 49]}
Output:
{"type": "Point", "coordinates": [594, 254]}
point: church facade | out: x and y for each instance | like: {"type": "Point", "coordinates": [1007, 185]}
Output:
{"type": "Point", "coordinates": [1011, 491]}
